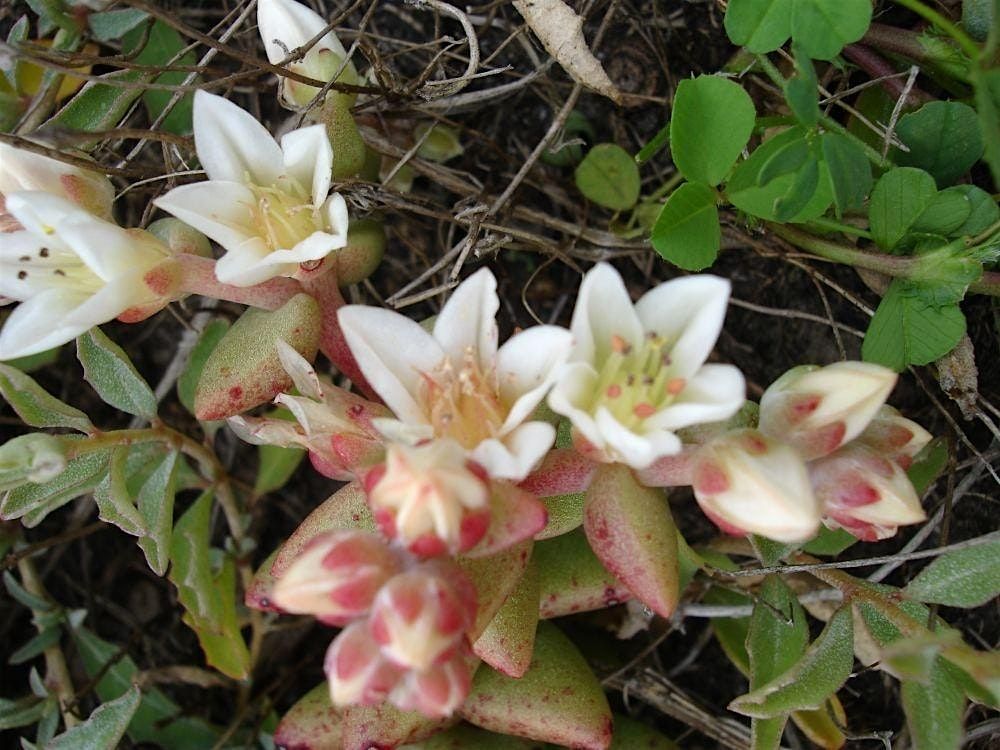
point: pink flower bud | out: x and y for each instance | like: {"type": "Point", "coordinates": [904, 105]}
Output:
{"type": "Point", "coordinates": [746, 482]}
{"type": "Point", "coordinates": [437, 691]}
{"type": "Point", "coordinates": [818, 409]}
{"type": "Point", "coordinates": [420, 616]}
{"type": "Point", "coordinates": [356, 670]}
{"type": "Point", "coordinates": [864, 492]}
{"type": "Point", "coordinates": [430, 497]}
{"type": "Point", "coordinates": [336, 577]}
{"type": "Point", "coordinates": [894, 436]}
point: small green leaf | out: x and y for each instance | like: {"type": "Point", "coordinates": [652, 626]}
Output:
{"type": "Point", "coordinates": [983, 211]}
{"type": "Point", "coordinates": [114, 501]}
{"type": "Point", "coordinates": [800, 193]}
{"type": "Point", "coordinates": [822, 28]}
{"type": "Point", "coordinates": [829, 542]}
{"type": "Point", "coordinates": [934, 711]}
{"type": "Point", "coordinates": [155, 502]}
{"type": "Point", "coordinates": [769, 551]}
{"type": "Point", "coordinates": [711, 125]}
{"type": "Point", "coordinates": [850, 173]}
{"type": "Point", "coordinates": [32, 362]}
{"type": "Point", "coordinates": [963, 578]}
{"type": "Point", "coordinates": [32, 502]}
{"type": "Point", "coordinates": [41, 641]}
{"type": "Point", "coordinates": [899, 198]}
{"type": "Point", "coordinates": [113, 24]}
{"type": "Point", "coordinates": [801, 91]}
{"type": "Point", "coordinates": [629, 735]}
{"type": "Point", "coordinates": [788, 159]}
{"type": "Point", "coordinates": [823, 668]}
{"type": "Point", "coordinates": [907, 330]}
{"type": "Point", "coordinates": [658, 142]}
{"type": "Point", "coordinates": [986, 86]}
{"type": "Point", "coordinates": [208, 598]}
{"type": "Point", "coordinates": [747, 194]}
{"type": "Point", "coordinates": [161, 45]}
{"type": "Point", "coordinates": [99, 106]}
{"type": "Point", "coordinates": [21, 713]}
{"type": "Point", "coordinates": [276, 467]}
{"type": "Point", "coordinates": [759, 25]}
{"type": "Point", "coordinates": [24, 597]}
{"type": "Point", "coordinates": [946, 212]}
{"type": "Point", "coordinates": [187, 383]}
{"type": "Point", "coordinates": [687, 231]}
{"type": "Point", "coordinates": [103, 728]}
{"type": "Point", "coordinates": [609, 177]}
{"type": "Point", "coordinates": [928, 464]}
{"type": "Point", "coordinates": [944, 139]}
{"type": "Point", "coordinates": [35, 406]}
{"type": "Point", "coordinates": [109, 370]}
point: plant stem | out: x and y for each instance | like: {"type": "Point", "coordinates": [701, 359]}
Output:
{"type": "Point", "coordinates": [964, 41]}
{"type": "Point", "coordinates": [198, 277]}
{"type": "Point", "coordinates": [56, 671]}
{"type": "Point", "coordinates": [821, 222]}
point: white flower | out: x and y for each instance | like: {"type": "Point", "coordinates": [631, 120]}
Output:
{"type": "Point", "coordinates": [818, 409]}
{"type": "Point", "coordinates": [637, 372]}
{"type": "Point", "coordinates": [266, 204]}
{"type": "Point", "coordinates": [746, 483]}
{"type": "Point", "coordinates": [22, 170]}
{"type": "Point", "coordinates": [455, 382]}
{"type": "Point", "coordinates": [285, 26]}
{"type": "Point", "coordinates": [71, 271]}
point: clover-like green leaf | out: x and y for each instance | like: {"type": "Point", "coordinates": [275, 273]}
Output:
{"type": "Point", "coordinates": [687, 231]}
{"type": "Point", "coordinates": [609, 177]}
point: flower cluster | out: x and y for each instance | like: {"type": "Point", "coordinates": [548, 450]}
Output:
{"type": "Point", "coordinates": [827, 448]}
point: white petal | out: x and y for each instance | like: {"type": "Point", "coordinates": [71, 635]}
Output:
{"type": "Point", "coordinates": [688, 312]}
{"type": "Point", "coordinates": [314, 247]}
{"type": "Point", "coordinates": [638, 451]}
{"type": "Point", "coordinates": [527, 364]}
{"type": "Point", "coordinates": [395, 431]}
{"type": "Point", "coordinates": [26, 170]}
{"type": "Point", "coordinates": [302, 373]}
{"type": "Point", "coordinates": [232, 146]}
{"type": "Point", "coordinates": [603, 309]}
{"type": "Point", "coordinates": [467, 322]}
{"type": "Point", "coordinates": [40, 213]}
{"type": "Point", "coordinates": [714, 393]}
{"type": "Point", "coordinates": [518, 453]}
{"type": "Point", "coordinates": [392, 352]}
{"type": "Point", "coordinates": [337, 219]}
{"type": "Point", "coordinates": [293, 24]}
{"type": "Point", "coordinates": [308, 158]}
{"type": "Point", "coordinates": [219, 210]}
{"type": "Point", "coordinates": [247, 265]}
{"type": "Point", "coordinates": [13, 247]}
{"type": "Point", "coordinates": [107, 249]}
{"type": "Point", "coordinates": [37, 324]}
{"type": "Point", "coordinates": [571, 395]}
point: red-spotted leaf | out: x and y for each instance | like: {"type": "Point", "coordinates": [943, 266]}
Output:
{"type": "Point", "coordinates": [561, 472]}
{"type": "Point", "coordinates": [517, 515]}
{"type": "Point", "coordinates": [630, 529]}
{"type": "Point", "coordinates": [347, 508]}
{"type": "Point", "coordinates": [494, 578]}
{"type": "Point", "coordinates": [367, 727]}
{"type": "Point", "coordinates": [509, 639]}
{"type": "Point", "coordinates": [558, 700]}
{"type": "Point", "coordinates": [572, 579]}
{"type": "Point", "coordinates": [243, 369]}
{"type": "Point", "coordinates": [311, 724]}
{"type": "Point", "coordinates": [258, 593]}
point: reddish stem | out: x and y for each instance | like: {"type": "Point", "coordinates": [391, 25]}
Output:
{"type": "Point", "coordinates": [322, 285]}
{"type": "Point", "coordinates": [198, 277]}
{"type": "Point", "coordinates": [878, 67]}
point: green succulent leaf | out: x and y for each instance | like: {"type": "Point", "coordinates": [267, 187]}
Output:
{"type": "Point", "coordinates": [109, 370]}
{"type": "Point", "coordinates": [155, 502]}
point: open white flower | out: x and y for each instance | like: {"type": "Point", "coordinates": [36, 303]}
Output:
{"type": "Point", "coordinates": [285, 26]}
{"type": "Point", "coordinates": [638, 372]}
{"type": "Point", "coordinates": [71, 271]}
{"type": "Point", "coordinates": [22, 170]}
{"type": "Point", "coordinates": [455, 382]}
{"type": "Point", "coordinates": [266, 204]}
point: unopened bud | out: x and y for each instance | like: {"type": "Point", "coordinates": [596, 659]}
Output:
{"type": "Point", "coordinates": [356, 670]}
{"type": "Point", "coordinates": [892, 435]}
{"type": "Point", "coordinates": [336, 577]}
{"type": "Point", "coordinates": [36, 457]}
{"type": "Point", "coordinates": [180, 238]}
{"type": "Point", "coordinates": [419, 618]}
{"type": "Point", "coordinates": [430, 497]}
{"type": "Point", "coordinates": [818, 409]}
{"type": "Point", "coordinates": [864, 492]}
{"type": "Point", "coordinates": [745, 482]}
{"type": "Point", "coordinates": [437, 691]}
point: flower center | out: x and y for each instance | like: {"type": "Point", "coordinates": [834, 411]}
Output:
{"type": "Point", "coordinates": [637, 382]}
{"type": "Point", "coordinates": [463, 404]}
{"type": "Point", "coordinates": [283, 215]}
{"type": "Point", "coordinates": [54, 267]}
